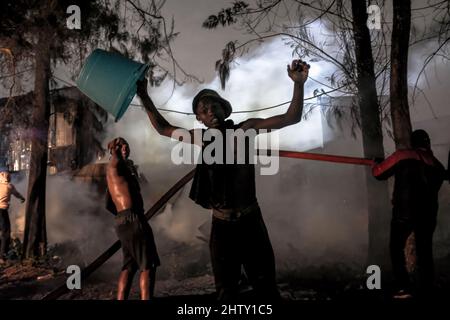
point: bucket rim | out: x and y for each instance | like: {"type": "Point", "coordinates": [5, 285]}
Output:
{"type": "Point", "coordinates": [127, 92]}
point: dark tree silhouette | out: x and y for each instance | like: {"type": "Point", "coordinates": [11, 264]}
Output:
{"type": "Point", "coordinates": [34, 37]}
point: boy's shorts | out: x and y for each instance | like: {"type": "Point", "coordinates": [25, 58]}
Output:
{"type": "Point", "coordinates": [138, 244]}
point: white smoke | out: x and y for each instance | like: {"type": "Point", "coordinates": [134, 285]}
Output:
{"type": "Point", "coordinates": [74, 213]}
{"type": "Point", "coordinates": [294, 217]}
{"type": "Point", "coordinates": [258, 80]}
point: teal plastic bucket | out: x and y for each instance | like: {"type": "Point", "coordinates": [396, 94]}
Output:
{"type": "Point", "coordinates": [109, 79]}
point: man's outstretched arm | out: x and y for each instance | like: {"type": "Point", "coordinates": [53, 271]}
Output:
{"type": "Point", "coordinates": [298, 72]}
{"type": "Point", "coordinates": [162, 126]}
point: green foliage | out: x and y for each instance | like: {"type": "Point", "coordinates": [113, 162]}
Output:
{"type": "Point", "coordinates": [226, 16]}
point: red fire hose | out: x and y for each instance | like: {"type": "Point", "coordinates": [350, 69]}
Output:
{"type": "Point", "coordinates": [323, 157]}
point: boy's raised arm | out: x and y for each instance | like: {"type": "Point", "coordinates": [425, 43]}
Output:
{"type": "Point", "coordinates": [298, 72]}
{"type": "Point", "coordinates": [158, 121]}
{"type": "Point", "coordinates": [113, 149]}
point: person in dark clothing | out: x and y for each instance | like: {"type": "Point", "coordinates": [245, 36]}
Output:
{"type": "Point", "coordinates": [125, 201]}
{"type": "Point", "coordinates": [418, 178]}
{"type": "Point", "coordinates": [239, 237]}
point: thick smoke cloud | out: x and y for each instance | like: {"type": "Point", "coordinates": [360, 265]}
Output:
{"type": "Point", "coordinates": [298, 218]}
{"type": "Point", "coordinates": [74, 215]}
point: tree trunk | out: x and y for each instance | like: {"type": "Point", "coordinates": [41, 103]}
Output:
{"type": "Point", "coordinates": [35, 236]}
{"type": "Point", "coordinates": [377, 192]}
{"type": "Point", "coordinates": [401, 121]}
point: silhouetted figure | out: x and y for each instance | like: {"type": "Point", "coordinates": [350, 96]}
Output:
{"type": "Point", "coordinates": [134, 232]}
{"type": "Point", "coordinates": [418, 178]}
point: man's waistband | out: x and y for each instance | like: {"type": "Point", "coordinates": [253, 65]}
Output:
{"type": "Point", "coordinates": [236, 215]}
{"type": "Point", "coordinates": [127, 215]}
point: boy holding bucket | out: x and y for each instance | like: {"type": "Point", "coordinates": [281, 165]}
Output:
{"type": "Point", "coordinates": [238, 236]}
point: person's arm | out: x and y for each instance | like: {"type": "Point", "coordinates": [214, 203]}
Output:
{"type": "Point", "coordinates": [162, 126]}
{"type": "Point", "coordinates": [114, 151]}
{"type": "Point", "coordinates": [298, 72]}
{"type": "Point", "coordinates": [117, 183]}
{"type": "Point", "coordinates": [17, 193]}
{"type": "Point", "coordinates": [385, 169]}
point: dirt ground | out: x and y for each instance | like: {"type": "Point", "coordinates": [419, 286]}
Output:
{"type": "Point", "coordinates": [32, 281]}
